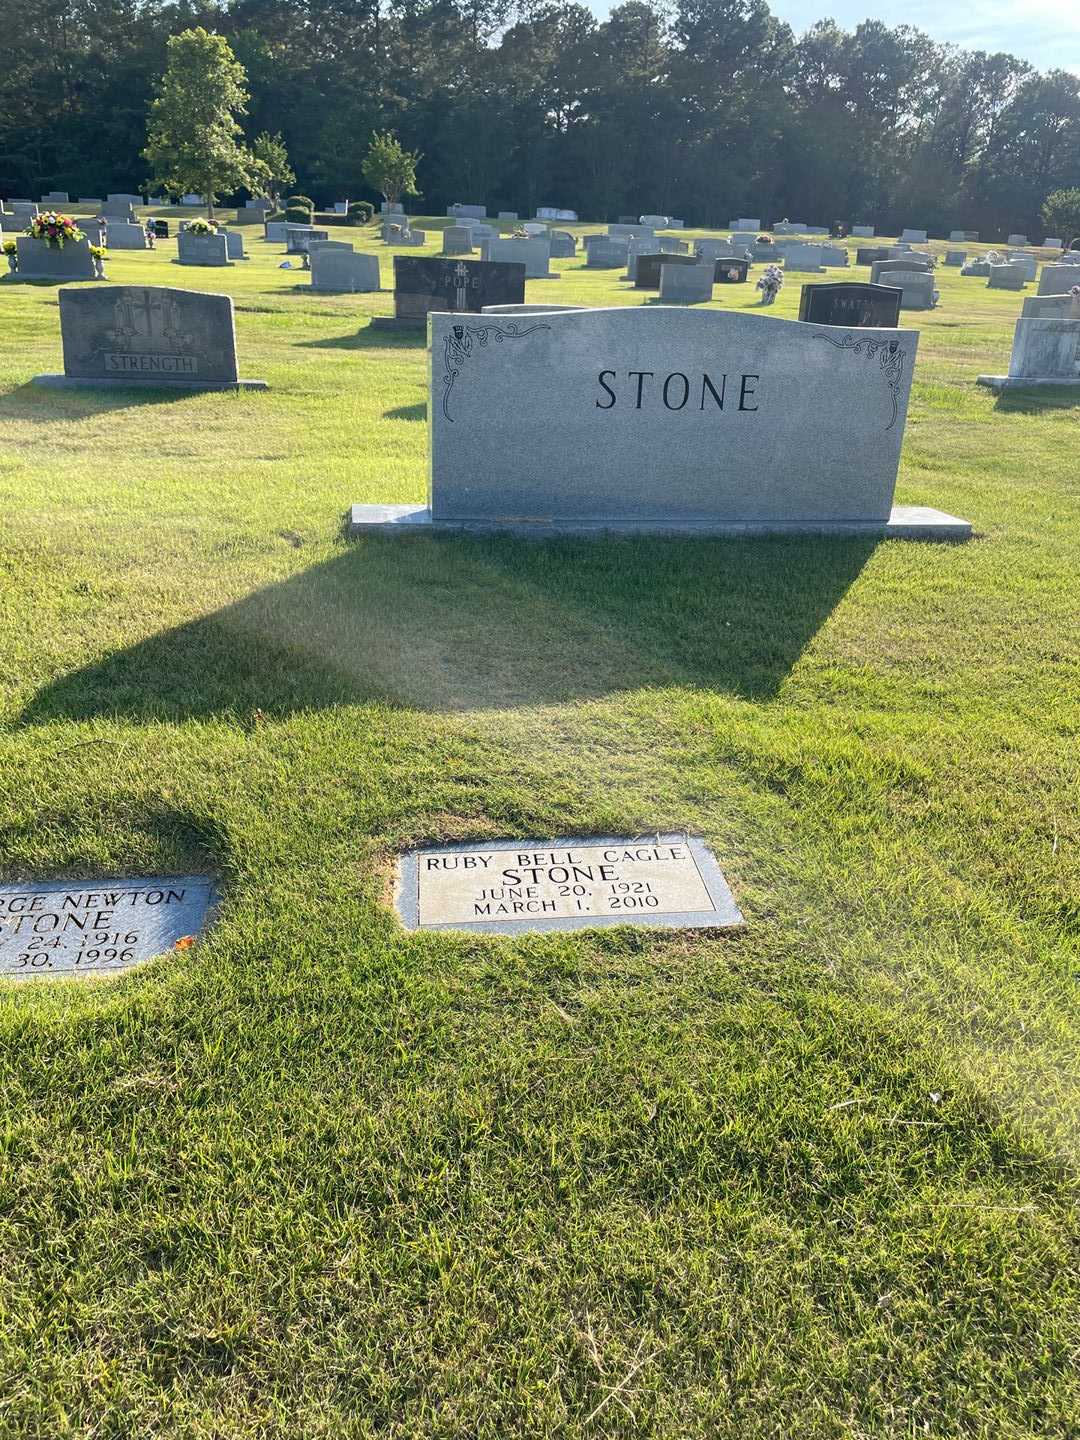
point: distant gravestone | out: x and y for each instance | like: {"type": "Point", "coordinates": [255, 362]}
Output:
{"type": "Point", "coordinates": [835, 257]}
{"type": "Point", "coordinates": [916, 287]}
{"type": "Point", "coordinates": [715, 249]}
{"type": "Point", "coordinates": [534, 254]}
{"type": "Point", "coordinates": [345, 271]}
{"type": "Point", "coordinates": [686, 284]}
{"type": "Point", "coordinates": [647, 268]}
{"type": "Point", "coordinates": [202, 249]}
{"type": "Point", "coordinates": [745, 224]}
{"type": "Point", "coordinates": [1058, 279]}
{"type": "Point", "coordinates": [851, 304]}
{"type": "Point", "coordinates": [513, 886]}
{"type": "Point", "coordinates": [883, 268]}
{"type": "Point", "coordinates": [1051, 307]}
{"type": "Point", "coordinates": [275, 231]}
{"type": "Point", "coordinates": [563, 245]}
{"type": "Point", "coordinates": [54, 198]}
{"type": "Point", "coordinates": [97, 927]}
{"type": "Point", "coordinates": [976, 267]}
{"type": "Point", "coordinates": [730, 270]}
{"type": "Point", "coordinates": [650, 418]}
{"type": "Point", "coordinates": [422, 284]}
{"type": "Point", "coordinates": [871, 254]}
{"type": "Point", "coordinates": [161, 229]}
{"type": "Point", "coordinates": [507, 215]}
{"type": "Point", "coordinates": [1007, 277]}
{"type": "Point", "coordinates": [38, 260]}
{"type": "Point", "coordinates": [124, 235]}
{"type": "Point", "coordinates": [457, 240]}
{"type": "Point", "coordinates": [1045, 351]}
{"type": "Point", "coordinates": [1016, 240]}
{"type": "Point", "coordinates": [148, 336]}
{"type": "Point", "coordinates": [914, 237]}
{"type": "Point", "coordinates": [234, 245]}
{"type": "Point", "coordinates": [955, 257]}
{"type": "Point", "coordinates": [299, 237]}
{"type": "Point", "coordinates": [1028, 264]}
{"type": "Point", "coordinates": [605, 254]}
{"type": "Point", "coordinates": [1054, 242]}
{"type": "Point", "coordinates": [802, 257]}
{"type": "Point", "coordinates": [862, 232]}
{"type": "Point", "coordinates": [476, 212]}
{"type": "Point", "coordinates": [250, 215]}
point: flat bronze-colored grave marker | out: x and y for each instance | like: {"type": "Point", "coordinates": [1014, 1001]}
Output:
{"type": "Point", "coordinates": [567, 884]}
{"type": "Point", "coordinates": [95, 927]}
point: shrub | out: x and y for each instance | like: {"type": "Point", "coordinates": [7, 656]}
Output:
{"type": "Point", "coordinates": [298, 215]}
{"type": "Point", "coordinates": [304, 200]}
{"type": "Point", "coordinates": [361, 212]}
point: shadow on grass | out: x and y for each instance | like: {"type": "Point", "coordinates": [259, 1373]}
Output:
{"type": "Point", "coordinates": [407, 412]}
{"type": "Point", "coordinates": [1038, 401]}
{"type": "Point", "coordinates": [465, 622]}
{"type": "Point", "coordinates": [369, 338]}
{"type": "Point", "coordinates": [46, 406]}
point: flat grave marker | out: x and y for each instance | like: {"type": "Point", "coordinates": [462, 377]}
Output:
{"type": "Point", "coordinates": [97, 927]}
{"type": "Point", "coordinates": [511, 886]}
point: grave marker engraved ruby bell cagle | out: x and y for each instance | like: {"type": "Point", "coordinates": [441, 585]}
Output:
{"type": "Point", "coordinates": [568, 884]}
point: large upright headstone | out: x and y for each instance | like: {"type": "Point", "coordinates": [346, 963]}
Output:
{"type": "Point", "coordinates": [661, 418]}
{"type": "Point", "coordinates": [604, 253]}
{"type": "Point", "coordinates": [126, 235]}
{"type": "Point", "coordinates": [422, 284]}
{"type": "Point", "coordinates": [916, 288]}
{"type": "Point", "coordinates": [851, 304]}
{"type": "Point", "coordinates": [806, 258]}
{"type": "Point", "coordinates": [534, 254]}
{"type": "Point", "coordinates": [457, 240]}
{"type": "Point", "coordinates": [686, 284]}
{"type": "Point", "coordinates": [148, 335]}
{"type": "Point", "coordinates": [1007, 277]}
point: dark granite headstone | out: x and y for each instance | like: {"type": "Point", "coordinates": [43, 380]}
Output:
{"type": "Point", "coordinates": [425, 283]}
{"type": "Point", "coordinates": [851, 304]}
{"type": "Point", "coordinates": [161, 229]}
{"type": "Point", "coordinates": [647, 273]}
{"type": "Point", "coordinates": [868, 254]}
{"type": "Point", "coordinates": [730, 271]}
{"type": "Point", "coordinates": [148, 335]}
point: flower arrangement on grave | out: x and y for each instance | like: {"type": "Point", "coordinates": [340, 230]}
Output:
{"type": "Point", "coordinates": [11, 250]}
{"type": "Point", "coordinates": [771, 283]}
{"type": "Point", "coordinates": [202, 227]}
{"type": "Point", "coordinates": [55, 229]}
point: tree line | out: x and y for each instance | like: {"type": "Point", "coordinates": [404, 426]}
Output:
{"type": "Point", "coordinates": [704, 109]}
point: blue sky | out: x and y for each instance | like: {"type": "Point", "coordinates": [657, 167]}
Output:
{"type": "Point", "coordinates": [1044, 32]}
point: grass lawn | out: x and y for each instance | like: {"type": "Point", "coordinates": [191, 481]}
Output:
{"type": "Point", "coordinates": [318, 1177]}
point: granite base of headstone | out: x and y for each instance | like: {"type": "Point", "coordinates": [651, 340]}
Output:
{"type": "Point", "coordinates": [147, 336]}
{"type": "Point", "coordinates": [649, 419]}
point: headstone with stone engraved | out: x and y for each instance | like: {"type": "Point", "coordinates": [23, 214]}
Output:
{"type": "Point", "coordinates": [851, 304]}
{"type": "Point", "coordinates": [147, 336]}
{"type": "Point", "coordinates": [651, 418]}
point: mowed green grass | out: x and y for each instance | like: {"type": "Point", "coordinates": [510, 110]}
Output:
{"type": "Point", "coordinates": [318, 1177]}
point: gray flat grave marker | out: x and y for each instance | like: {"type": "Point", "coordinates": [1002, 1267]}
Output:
{"type": "Point", "coordinates": [571, 884]}
{"type": "Point", "coordinates": [96, 927]}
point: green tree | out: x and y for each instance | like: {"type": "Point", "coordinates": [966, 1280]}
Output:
{"type": "Point", "coordinates": [270, 151]}
{"type": "Point", "coordinates": [192, 142]}
{"type": "Point", "coordinates": [1061, 213]}
{"type": "Point", "coordinates": [389, 168]}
